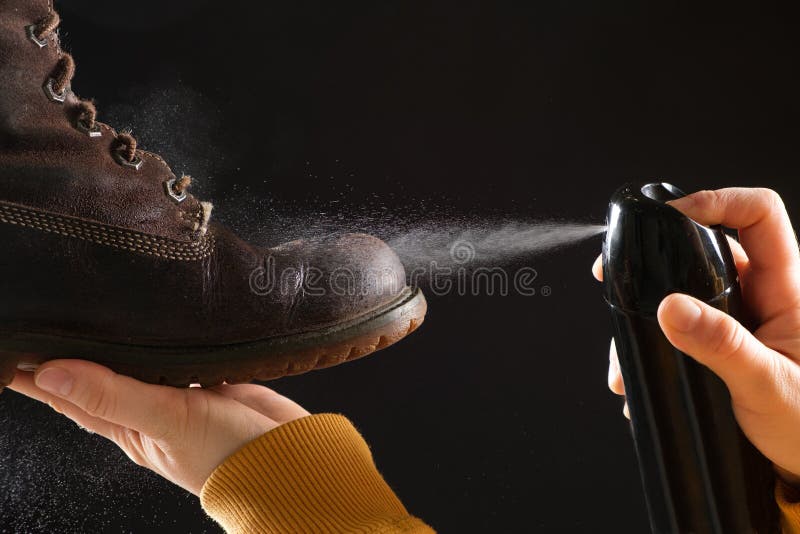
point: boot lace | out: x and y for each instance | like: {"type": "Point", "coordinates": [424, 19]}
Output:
{"type": "Point", "coordinates": [124, 147]}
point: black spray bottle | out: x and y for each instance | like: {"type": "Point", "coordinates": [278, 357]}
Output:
{"type": "Point", "coordinates": [700, 474]}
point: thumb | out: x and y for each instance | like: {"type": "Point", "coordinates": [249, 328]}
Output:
{"type": "Point", "coordinates": [118, 399]}
{"type": "Point", "coordinates": [715, 339]}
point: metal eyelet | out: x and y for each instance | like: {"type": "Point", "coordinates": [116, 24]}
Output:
{"type": "Point", "coordinates": [136, 164]}
{"type": "Point", "coordinates": [94, 131]}
{"type": "Point", "coordinates": [52, 95]}
{"type": "Point", "coordinates": [169, 185]}
{"type": "Point", "coordinates": [32, 36]}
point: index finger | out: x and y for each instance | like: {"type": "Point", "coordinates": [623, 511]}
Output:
{"type": "Point", "coordinates": [104, 394]}
{"type": "Point", "coordinates": [765, 232]}
{"type": "Point", "coordinates": [23, 384]}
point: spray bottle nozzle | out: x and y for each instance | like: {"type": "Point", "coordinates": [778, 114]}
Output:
{"type": "Point", "coordinates": [662, 191]}
{"type": "Point", "coordinates": [651, 249]}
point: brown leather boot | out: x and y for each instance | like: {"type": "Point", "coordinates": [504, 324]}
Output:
{"type": "Point", "coordinates": [106, 256]}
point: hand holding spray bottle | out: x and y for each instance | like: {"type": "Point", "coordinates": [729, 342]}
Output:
{"type": "Point", "coordinates": [700, 474]}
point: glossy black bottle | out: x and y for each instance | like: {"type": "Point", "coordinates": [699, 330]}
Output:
{"type": "Point", "coordinates": [700, 474]}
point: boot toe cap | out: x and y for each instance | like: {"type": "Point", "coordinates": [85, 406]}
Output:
{"type": "Point", "coordinates": [336, 279]}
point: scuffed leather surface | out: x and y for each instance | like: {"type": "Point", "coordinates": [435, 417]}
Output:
{"type": "Point", "coordinates": [57, 285]}
{"type": "Point", "coordinates": [60, 285]}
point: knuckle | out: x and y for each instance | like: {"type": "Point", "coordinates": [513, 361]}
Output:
{"type": "Point", "coordinates": [101, 402]}
{"type": "Point", "coordinates": [771, 197]}
{"type": "Point", "coordinates": [100, 405]}
{"type": "Point", "coordinates": [727, 338]}
{"type": "Point", "coordinates": [707, 197]}
{"type": "Point", "coordinates": [174, 425]}
{"type": "Point", "coordinates": [722, 199]}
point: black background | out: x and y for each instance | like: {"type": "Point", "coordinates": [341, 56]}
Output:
{"type": "Point", "coordinates": [494, 417]}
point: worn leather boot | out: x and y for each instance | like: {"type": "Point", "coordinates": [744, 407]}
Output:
{"type": "Point", "coordinates": [105, 255]}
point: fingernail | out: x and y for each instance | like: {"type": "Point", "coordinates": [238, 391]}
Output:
{"type": "Point", "coordinates": [682, 313]}
{"type": "Point", "coordinates": [55, 380]}
{"type": "Point", "coordinates": [55, 407]}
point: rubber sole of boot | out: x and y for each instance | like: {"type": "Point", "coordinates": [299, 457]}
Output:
{"type": "Point", "coordinates": [266, 359]}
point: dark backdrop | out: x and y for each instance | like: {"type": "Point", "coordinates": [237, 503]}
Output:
{"type": "Point", "coordinates": [495, 416]}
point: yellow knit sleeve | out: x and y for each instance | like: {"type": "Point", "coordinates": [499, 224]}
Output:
{"type": "Point", "coordinates": [789, 503]}
{"type": "Point", "coordinates": [314, 474]}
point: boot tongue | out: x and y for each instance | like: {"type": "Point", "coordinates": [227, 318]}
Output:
{"type": "Point", "coordinates": [206, 207]}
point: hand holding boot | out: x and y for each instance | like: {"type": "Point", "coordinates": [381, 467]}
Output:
{"type": "Point", "coordinates": [181, 434]}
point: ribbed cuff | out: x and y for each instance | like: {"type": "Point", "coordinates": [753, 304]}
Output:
{"type": "Point", "coordinates": [314, 474]}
